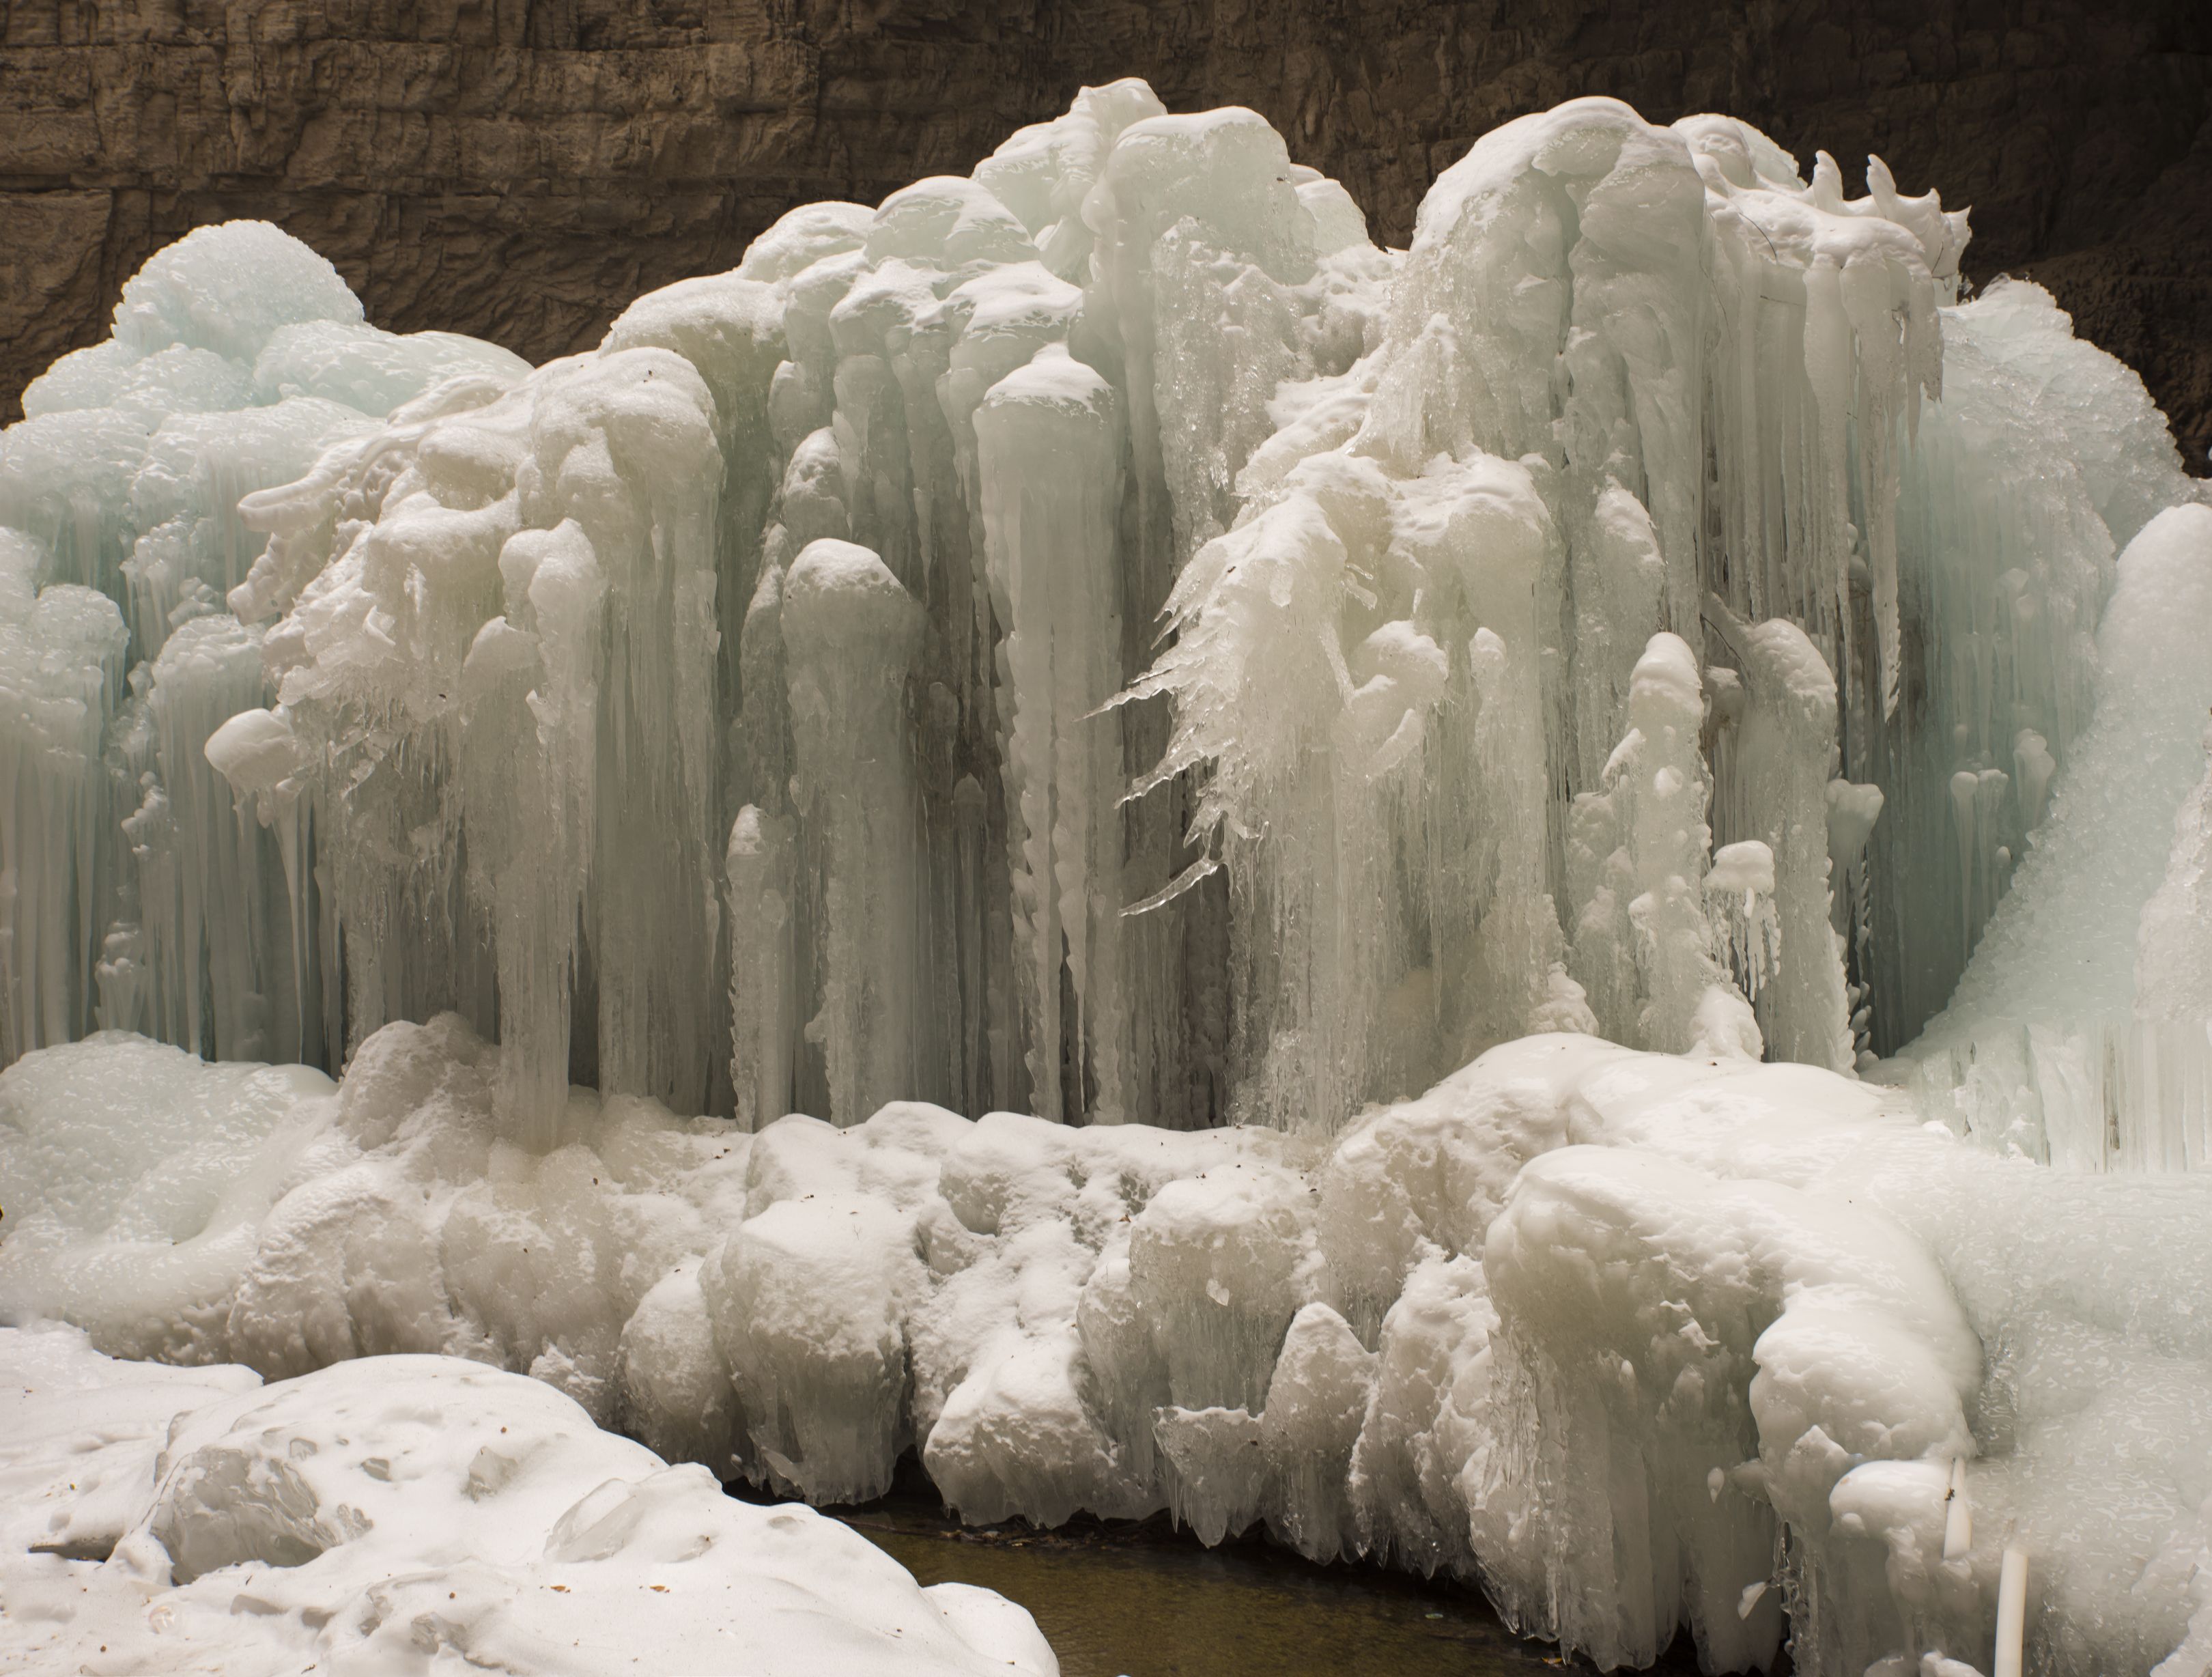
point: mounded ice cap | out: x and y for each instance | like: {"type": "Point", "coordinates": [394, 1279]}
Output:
{"type": "Point", "coordinates": [1229, 167]}
{"type": "Point", "coordinates": [1666, 680]}
{"type": "Point", "coordinates": [1054, 379]}
{"type": "Point", "coordinates": [948, 220]}
{"type": "Point", "coordinates": [800, 240]}
{"type": "Point", "coordinates": [254, 750]}
{"type": "Point", "coordinates": [839, 595]}
{"type": "Point", "coordinates": [228, 288]}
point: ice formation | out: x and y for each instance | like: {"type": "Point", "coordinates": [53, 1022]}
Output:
{"type": "Point", "coordinates": [1635, 1338]}
{"type": "Point", "coordinates": [1101, 638]}
{"type": "Point", "coordinates": [417, 1513]}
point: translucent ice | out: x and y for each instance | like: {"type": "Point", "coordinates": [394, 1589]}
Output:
{"type": "Point", "coordinates": [546, 646]}
{"type": "Point", "coordinates": [2062, 1039]}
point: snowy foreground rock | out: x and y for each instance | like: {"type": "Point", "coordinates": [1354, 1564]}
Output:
{"type": "Point", "coordinates": [1634, 1339]}
{"type": "Point", "coordinates": [1101, 638]}
{"type": "Point", "coordinates": [416, 1513]}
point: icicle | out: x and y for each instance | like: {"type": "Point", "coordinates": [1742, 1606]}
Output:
{"type": "Point", "coordinates": [61, 673]}
{"type": "Point", "coordinates": [1643, 847]}
{"type": "Point", "coordinates": [1740, 897]}
{"type": "Point", "coordinates": [1781, 760]}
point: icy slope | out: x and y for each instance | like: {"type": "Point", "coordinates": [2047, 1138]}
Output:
{"type": "Point", "coordinates": [1638, 1339]}
{"type": "Point", "coordinates": [392, 1514]}
{"type": "Point", "coordinates": [2079, 1032]}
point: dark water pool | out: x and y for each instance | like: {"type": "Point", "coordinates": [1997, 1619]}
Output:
{"type": "Point", "coordinates": [1141, 1601]}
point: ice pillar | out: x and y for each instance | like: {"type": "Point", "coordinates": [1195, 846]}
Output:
{"type": "Point", "coordinates": [1048, 439]}
{"type": "Point", "coordinates": [851, 634]}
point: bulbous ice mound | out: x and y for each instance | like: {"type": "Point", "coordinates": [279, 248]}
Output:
{"type": "Point", "coordinates": [1601, 1328]}
{"type": "Point", "coordinates": [228, 288]}
{"type": "Point", "coordinates": [378, 1515]}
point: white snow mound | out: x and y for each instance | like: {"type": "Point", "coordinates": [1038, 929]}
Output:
{"type": "Point", "coordinates": [411, 1512]}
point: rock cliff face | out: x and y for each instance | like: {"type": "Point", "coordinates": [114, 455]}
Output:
{"type": "Point", "coordinates": [519, 169]}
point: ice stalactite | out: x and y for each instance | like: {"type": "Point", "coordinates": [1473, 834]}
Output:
{"type": "Point", "coordinates": [1100, 635]}
{"type": "Point", "coordinates": [530, 750]}
{"type": "Point", "coordinates": [227, 929]}
{"type": "Point", "coordinates": [1780, 760]}
{"type": "Point", "coordinates": [61, 675]}
{"type": "Point", "coordinates": [627, 451]}
{"type": "Point", "coordinates": [1367, 544]}
{"type": "Point", "coordinates": [1617, 583]}
{"type": "Point", "coordinates": [1554, 311]}
{"type": "Point", "coordinates": [762, 910]}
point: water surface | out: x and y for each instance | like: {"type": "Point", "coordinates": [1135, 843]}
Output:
{"type": "Point", "coordinates": [1141, 1601]}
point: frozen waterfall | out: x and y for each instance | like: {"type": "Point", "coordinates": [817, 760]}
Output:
{"type": "Point", "coordinates": [1100, 638]}
{"type": "Point", "coordinates": [1343, 561]}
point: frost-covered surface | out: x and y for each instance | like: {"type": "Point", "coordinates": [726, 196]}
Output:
{"type": "Point", "coordinates": [1100, 637]}
{"type": "Point", "coordinates": [415, 1513]}
{"type": "Point", "coordinates": [1634, 1339]}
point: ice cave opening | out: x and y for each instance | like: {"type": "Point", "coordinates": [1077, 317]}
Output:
{"type": "Point", "coordinates": [1539, 907]}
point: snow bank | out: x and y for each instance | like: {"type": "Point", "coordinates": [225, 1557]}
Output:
{"type": "Point", "coordinates": [384, 1514]}
{"type": "Point", "coordinates": [1637, 1340]}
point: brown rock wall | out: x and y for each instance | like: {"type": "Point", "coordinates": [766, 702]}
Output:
{"type": "Point", "coordinates": [521, 168]}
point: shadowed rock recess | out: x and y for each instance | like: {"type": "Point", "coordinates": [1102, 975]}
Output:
{"type": "Point", "coordinates": [520, 170]}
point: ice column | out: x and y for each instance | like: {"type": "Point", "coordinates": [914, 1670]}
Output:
{"type": "Point", "coordinates": [759, 866]}
{"type": "Point", "coordinates": [851, 633]}
{"type": "Point", "coordinates": [227, 926]}
{"type": "Point", "coordinates": [1048, 439]}
{"type": "Point", "coordinates": [61, 674]}
{"type": "Point", "coordinates": [1643, 946]}
{"type": "Point", "coordinates": [531, 690]}
{"type": "Point", "coordinates": [624, 446]}
{"type": "Point", "coordinates": [1779, 765]}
